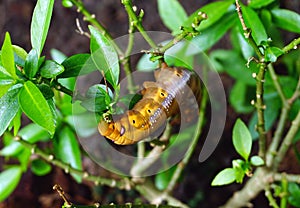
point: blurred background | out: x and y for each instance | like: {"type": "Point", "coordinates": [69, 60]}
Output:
{"type": "Point", "coordinates": [194, 188]}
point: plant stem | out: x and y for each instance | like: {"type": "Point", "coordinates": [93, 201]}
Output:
{"type": "Point", "coordinates": [292, 45]}
{"type": "Point", "coordinates": [260, 107]}
{"type": "Point", "coordinates": [136, 21]}
{"type": "Point", "coordinates": [192, 147]}
{"type": "Point", "coordinates": [272, 201]}
{"type": "Point", "coordinates": [145, 162]}
{"type": "Point", "coordinates": [155, 196]}
{"type": "Point", "coordinates": [257, 183]}
{"type": "Point", "coordinates": [126, 59]}
{"type": "Point", "coordinates": [260, 79]}
{"type": "Point", "coordinates": [287, 141]}
{"type": "Point", "coordinates": [92, 19]}
{"type": "Point", "coordinates": [122, 184]}
{"type": "Point", "coordinates": [289, 177]}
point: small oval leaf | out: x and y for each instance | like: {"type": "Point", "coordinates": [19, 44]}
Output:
{"type": "Point", "coordinates": [51, 69]}
{"type": "Point", "coordinates": [224, 177]}
{"type": "Point", "coordinates": [257, 161]}
{"type": "Point", "coordinates": [242, 140]}
{"type": "Point", "coordinates": [40, 167]}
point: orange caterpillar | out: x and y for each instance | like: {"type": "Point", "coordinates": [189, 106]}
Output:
{"type": "Point", "coordinates": [161, 99]}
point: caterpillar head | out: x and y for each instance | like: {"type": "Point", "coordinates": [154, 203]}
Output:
{"type": "Point", "coordinates": [129, 129]}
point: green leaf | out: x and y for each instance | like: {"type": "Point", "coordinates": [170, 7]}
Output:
{"type": "Point", "coordinates": [17, 122]}
{"type": "Point", "coordinates": [257, 161]}
{"type": "Point", "coordinates": [31, 64]}
{"type": "Point", "coordinates": [241, 96]}
{"type": "Point", "coordinates": [36, 107]}
{"type": "Point", "coordinates": [19, 51]}
{"type": "Point", "coordinates": [213, 34]}
{"type": "Point", "coordinates": [9, 180]}
{"type": "Point", "coordinates": [171, 13]}
{"type": "Point", "coordinates": [215, 11]}
{"type": "Point", "coordinates": [40, 167]}
{"type": "Point", "coordinates": [286, 19]}
{"type": "Point", "coordinates": [104, 56]}
{"type": "Point", "coordinates": [24, 158]}
{"type": "Point", "coordinates": [97, 98]}
{"type": "Point", "coordinates": [235, 65]}
{"type": "Point", "coordinates": [31, 133]}
{"type": "Point", "coordinates": [240, 43]}
{"type": "Point", "coordinates": [162, 179]}
{"type": "Point", "coordinates": [46, 90]}
{"type": "Point", "coordinates": [224, 177]}
{"type": "Point", "coordinates": [257, 4]}
{"type": "Point", "coordinates": [40, 24]}
{"type": "Point", "coordinates": [67, 3]}
{"type": "Point", "coordinates": [144, 64]}
{"type": "Point", "coordinates": [51, 69]}
{"type": "Point", "coordinates": [242, 140]}
{"type": "Point", "coordinates": [9, 107]}
{"type": "Point", "coordinates": [294, 193]}
{"type": "Point", "coordinates": [67, 149]}
{"type": "Point", "coordinates": [79, 64]}
{"type": "Point", "coordinates": [7, 56]}
{"type": "Point", "coordinates": [84, 123]}
{"type": "Point", "coordinates": [253, 22]}
{"type": "Point", "coordinates": [6, 81]}
{"type": "Point", "coordinates": [57, 56]}
{"type": "Point", "coordinates": [272, 53]}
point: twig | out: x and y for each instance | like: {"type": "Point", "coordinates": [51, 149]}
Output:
{"type": "Point", "coordinates": [287, 141]}
{"type": "Point", "coordinates": [136, 21]}
{"type": "Point", "coordinates": [61, 193]}
{"type": "Point", "coordinates": [92, 19]}
{"type": "Point", "coordinates": [272, 201]}
{"type": "Point", "coordinates": [180, 167]}
{"type": "Point", "coordinates": [145, 162]}
{"type": "Point", "coordinates": [289, 177]}
{"type": "Point", "coordinates": [292, 46]}
{"type": "Point", "coordinates": [122, 184]}
{"type": "Point", "coordinates": [126, 59]}
{"type": "Point", "coordinates": [260, 79]}
{"type": "Point", "coordinates": [80, 30]}
{"type": "Point", "coordinates": [296, 94]}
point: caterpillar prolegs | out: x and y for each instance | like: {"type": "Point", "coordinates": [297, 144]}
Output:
{"type": "Point", "coordinates": [174, 87]}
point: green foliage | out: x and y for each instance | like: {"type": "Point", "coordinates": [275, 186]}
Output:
{"type": "Point", "coordinates": [35, 106]}
{"type": "Point", "coordinates": [242, 143]}
{"type": "Point", "coordinates": [242, 140]}
{"type": "Point", "coordinates": [294, 193]}
{"type": "Point", "coordinates": [9, 179]}
{"type": "Point", "coordinates": [172, 13]}
{"type": "Point", "coordinates": [67, 149]}
{"type": "Point", "coordinates": [104, 56]}
{"type": "Point", "coordinates": [44, 89]}
{"type": "Point", "coordinates": [40, 24]}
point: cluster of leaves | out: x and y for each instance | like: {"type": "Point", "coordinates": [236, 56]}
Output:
{"type": "Point", "coordinates": [32, 85]}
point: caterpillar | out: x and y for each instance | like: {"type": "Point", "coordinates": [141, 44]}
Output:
{"type": "Point", "coordinates": [162, 99]}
